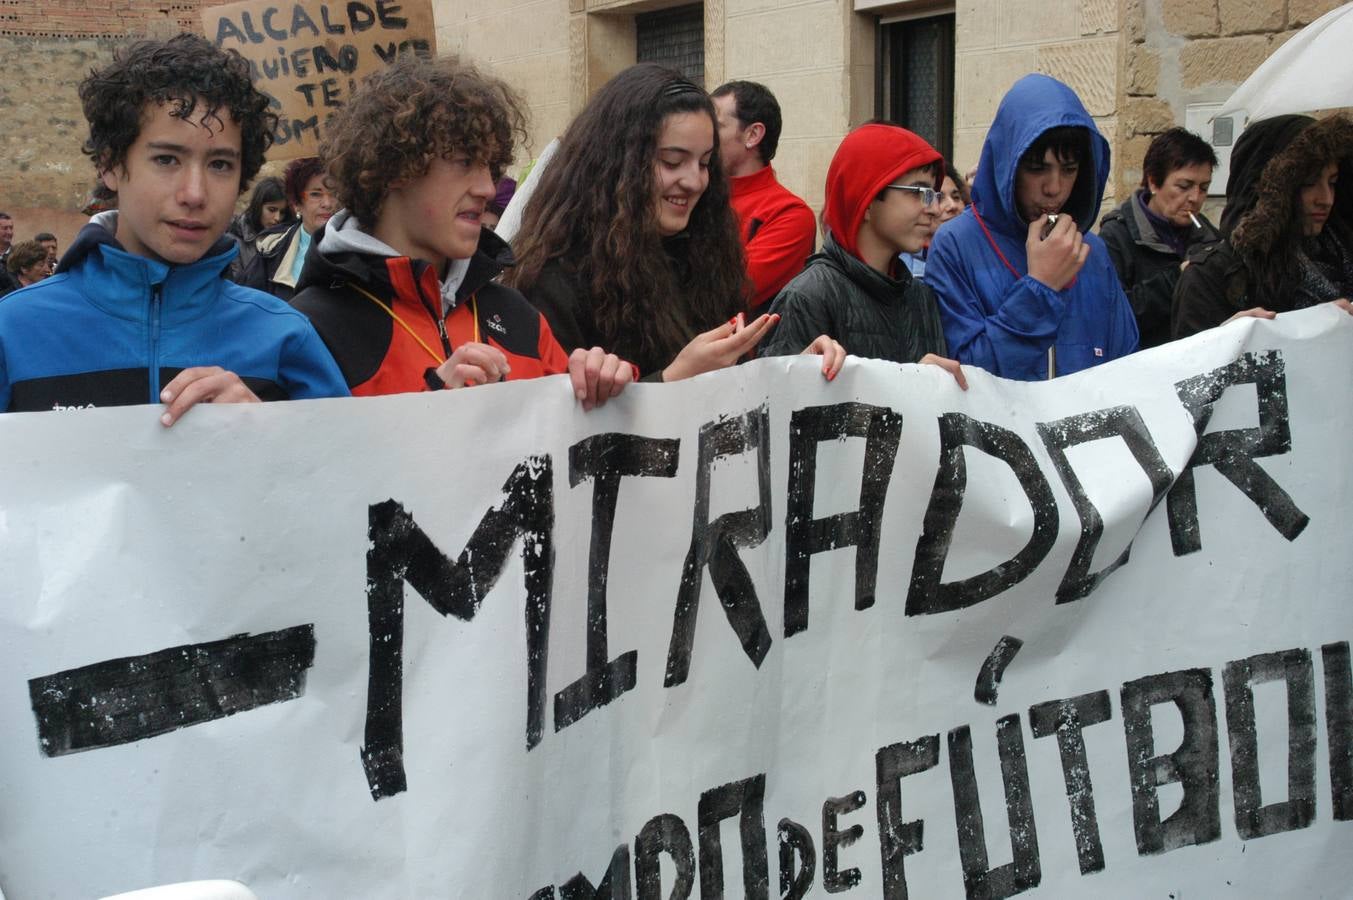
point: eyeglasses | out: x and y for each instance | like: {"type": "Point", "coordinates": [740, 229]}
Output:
{"type": "Point", "coordinates": [928, 195]}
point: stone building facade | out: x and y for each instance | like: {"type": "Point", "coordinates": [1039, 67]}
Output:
{"type": "Point", "coordinates": [1138, 64]}
{"type": "Point", "coordinates": [1181, 53]}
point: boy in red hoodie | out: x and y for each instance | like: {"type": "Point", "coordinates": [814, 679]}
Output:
{"type": "Point", "coordinates": [882, 200]}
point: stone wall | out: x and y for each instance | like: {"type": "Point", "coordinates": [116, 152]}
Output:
{"type": "Point", "coordinates": [812, 55]}
{"type": "Point", "coordinates": [524, 42]}
{"type": "Point", "coordinates": [49, 46]}
{"type": "Point", "coordinates": [816, 55]}
{"type": "Point", "coordinates": [1137, 64]}
{"type": "Point", "coordinates": [1000, 41]}
{"type": "Point", "coordinates": [1179, 52]}
{"type": "Point", "coordinates": [44, 127]}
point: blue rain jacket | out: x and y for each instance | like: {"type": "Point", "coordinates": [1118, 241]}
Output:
{"type": "Point", "coordinates": [1005, 322]}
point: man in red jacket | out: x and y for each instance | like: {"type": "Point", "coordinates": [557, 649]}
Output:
{"type": "Point", "coordinates": [778, 229]}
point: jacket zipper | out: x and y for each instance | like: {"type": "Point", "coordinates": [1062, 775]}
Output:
{"type": "Point", "coordinates": [441, 333]}
{"type": "Point", "coordinates": [433, 310]}
{"type": "Point", "coordinates": [154, 373]}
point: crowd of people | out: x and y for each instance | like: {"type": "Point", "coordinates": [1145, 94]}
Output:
{"type": "Point", "coordinates": [656, 245]}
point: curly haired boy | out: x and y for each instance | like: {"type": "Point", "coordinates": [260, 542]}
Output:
{"type": "Point", "coordinates": [400, 283]}
{"type": "Point", "coordinates": [138, 311]}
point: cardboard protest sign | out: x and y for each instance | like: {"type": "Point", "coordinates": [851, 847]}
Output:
{"type": "Point", "coordinates": [748, 634]}
{"type": "Point", "coordinates": [309, 56]}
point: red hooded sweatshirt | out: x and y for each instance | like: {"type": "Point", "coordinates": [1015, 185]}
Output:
{"type": "Point", "coordinates": [870, 157]}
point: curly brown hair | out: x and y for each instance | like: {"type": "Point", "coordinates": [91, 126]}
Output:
{"type": "Point", "coordinates": [190, 75]}
{"type": "Point", "coordinates": [595, 210]}
{"type": "Point", "coordinates": [1269, 237]}
{"type": "Point", "coordinates": [405, 116]}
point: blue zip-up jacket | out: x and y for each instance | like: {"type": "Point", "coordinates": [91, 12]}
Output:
{"type": "Point", "coordinates": [1003, 322]}
{"type": "Point", "coordinates": [111, 328]}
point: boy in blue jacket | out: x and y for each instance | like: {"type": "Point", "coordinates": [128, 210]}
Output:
{"type": "Point", "coordinates": [1025, 290]}
{"type": "Point", "coordinates": [139, 310]}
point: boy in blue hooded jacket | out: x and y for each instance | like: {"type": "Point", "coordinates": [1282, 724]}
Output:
{"type": "Point", "coordinates": [139, 310]}
{"type": "Point", "coordinates": [1025, 290]}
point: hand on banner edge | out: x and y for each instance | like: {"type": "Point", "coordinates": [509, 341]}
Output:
{"type": "Point", "coordinates": [952, 366]}
{"type": "Point", "coordinates": [202, 384]}
{"type": "Point", "coordinates": [597, 376]}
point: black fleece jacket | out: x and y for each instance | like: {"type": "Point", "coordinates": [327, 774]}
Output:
{"type": "Point", "coordinates": [869, 313]}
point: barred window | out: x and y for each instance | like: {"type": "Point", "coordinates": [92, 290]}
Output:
{"type": "Point", "coordinates": [916, 78]}
{"type": "Point", "coordinates": [674, 38]}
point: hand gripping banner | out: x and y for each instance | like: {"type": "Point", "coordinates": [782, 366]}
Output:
{"type": "Point", "coordinates": [753, 634]}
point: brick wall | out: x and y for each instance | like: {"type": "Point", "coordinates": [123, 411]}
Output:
{"type": "Point", "coordinates": [94, 18]}
{"type": "Point", "coordinates": [48, 47]}
{"type": "Point", "coordinates": [44, 179]}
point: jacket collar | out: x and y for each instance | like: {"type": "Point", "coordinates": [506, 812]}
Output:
{"type": "Point", "coordinates": [880, 287]}
{"type": "Point", "coordinates": [122, 284]}
{"type": "Point", "coordinates": [341, 252]}
{"type": "Point", "coordinates": [1143, 230]}
{"type": "Point", "coordinates": [759, 180]}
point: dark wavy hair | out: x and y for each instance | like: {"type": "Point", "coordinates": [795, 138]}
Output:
{"type": "Point", "coordinates": [1269, 237]}
{"type": "Point", "coordinates": [405, 116]}
{"type": "Point", "coordinates": [297, 175]}
{"type": "Point", "coordinates": [268, 190]}
{"type": "Point", "coordinates": [595, 210]}
{"type": "Point", "coordinates": [197, 80]}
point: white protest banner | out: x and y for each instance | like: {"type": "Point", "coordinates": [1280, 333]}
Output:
{"type": "Point", "coordinates": [745, 635]}
{"type": "Point", "coordinates": [309, 56]}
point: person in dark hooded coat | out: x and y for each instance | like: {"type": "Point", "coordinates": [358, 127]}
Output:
{"type": "Point", "coordinates": [1288, 231]}
{"type": "Point", "coordinates": [1008, 295]}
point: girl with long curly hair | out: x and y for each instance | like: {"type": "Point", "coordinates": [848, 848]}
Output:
{"type": "Point", "coordinates": [1288, 227]}
{"type": "Point", "coordinates": [629, 241]}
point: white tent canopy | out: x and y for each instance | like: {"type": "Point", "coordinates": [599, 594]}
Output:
{"type": "Point", "coordinates": [1312, 71]}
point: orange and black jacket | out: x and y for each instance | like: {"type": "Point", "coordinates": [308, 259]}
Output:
{"type": "Point", "coordinates": [381, 317]}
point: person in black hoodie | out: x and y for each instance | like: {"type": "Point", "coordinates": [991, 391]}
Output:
{"type": "Point", "coordinates": [1151, 233]}
{"type": "Point", "coordinates": [1288, 229]}
{"type": "Point", "coordinates": [399, 283]}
